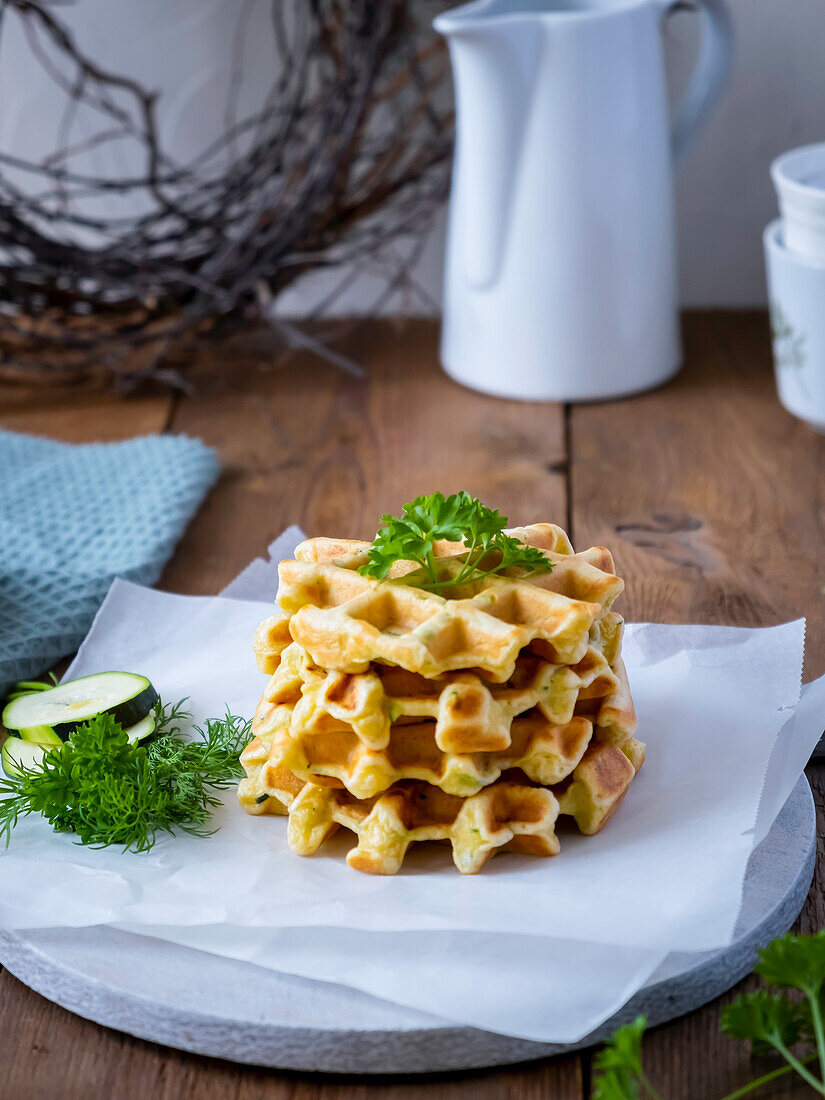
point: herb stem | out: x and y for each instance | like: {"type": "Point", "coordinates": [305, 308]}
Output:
{"type": "Point", "coordinates": [766, 1078]}
{"type": "Point", "coordinates": [431, 566]}
{"type": "Point", "coordinates": [816, 1016]}
{"type": "Point", "coordinates": [815, 1084]}
{"type": "Point", "coordinates": [653, 1093]}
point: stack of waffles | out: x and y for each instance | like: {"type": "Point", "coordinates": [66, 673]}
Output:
{"type": "Point", "coordinates": [476, 717]}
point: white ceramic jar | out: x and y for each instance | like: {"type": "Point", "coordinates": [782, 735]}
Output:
{"type": "Point", "coordinates": [796, 288]}
{"type": "Point", "coordinates": [799, 179]}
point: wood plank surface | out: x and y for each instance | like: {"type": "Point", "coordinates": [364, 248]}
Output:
{"type": "Point", "coordinates": [48, 1053]}
{"type": "Point", "coordinates": [708, 492]}
{"type": "Point", "coordinates": [311, 445]}
{"type": "Point", "coordinates": [98, 419]}
{"type": "Point", "coordinates": [710, 496]}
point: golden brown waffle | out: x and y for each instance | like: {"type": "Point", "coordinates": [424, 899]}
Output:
{"type": "Point", "coordinates": [587, 576]}
{"type": "Point", "coordinates": [405, 716]}
{"type": "Point", "coordinates": [353, 552]}
{"type": "Point", "coordinates": [252, 791]}
{"type": "Point", "coordinates": [510, 815]}
{"type": "Point", "coordinates": [614, 717]}
{"type": "Point", "coordinates": [471, 714]}
{"type": "Point", "coordinates": [593, 793]}
{"type": "Point", "coordinates": [411, 811]}
{"type": "Point", "coordinates": [545, 753]}
{"type": "Point", "coordinates": [346, 621]}
{"type": "Point", "coordinates": [590, 573]}
{"type": "Point", "coordinates": [271, 639]}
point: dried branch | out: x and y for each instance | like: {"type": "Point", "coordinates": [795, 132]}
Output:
{"type": "Point", "coordinates": [349, 151]}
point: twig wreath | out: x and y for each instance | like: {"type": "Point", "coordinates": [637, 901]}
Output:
{"type": "Point", "coordinates": [349, 152]}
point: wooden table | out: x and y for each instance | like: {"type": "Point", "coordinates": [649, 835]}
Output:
{"type": "Point", "coordinates": [711, 496]}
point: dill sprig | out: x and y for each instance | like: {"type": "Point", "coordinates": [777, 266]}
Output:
{"type": "Point", "coordinates": [110, 791]}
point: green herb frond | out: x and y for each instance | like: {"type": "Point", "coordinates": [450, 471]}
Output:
{"type": "Point", "coordinates": [110, 791]}
{"type": "Point", "coordinates": [773, 1023]}
{"type": "Point", "coordinates": [169, 717]}
{"type": "Point", "coordinates": [457, 518]}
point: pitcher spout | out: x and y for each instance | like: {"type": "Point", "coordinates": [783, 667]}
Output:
{"type": "Point", "coordinates": [479, 15]}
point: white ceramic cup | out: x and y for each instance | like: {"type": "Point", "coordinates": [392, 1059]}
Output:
{"type": "Point", "coordinates": [796, 288]}
{"type": "Point", "coordinates": [799, 179]}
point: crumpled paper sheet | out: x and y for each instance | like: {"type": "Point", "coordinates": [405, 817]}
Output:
{"type": "Point", "coordinates": [544, 949]}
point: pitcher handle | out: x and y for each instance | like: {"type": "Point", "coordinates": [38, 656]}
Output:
{"type": "Point", "coordinates": [711, 73]}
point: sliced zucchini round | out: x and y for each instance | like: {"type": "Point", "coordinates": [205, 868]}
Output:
{"type": "Point", "coordinates": [142, 730]}
{"type": "Point", "coordinates": [38, 735]}
{"type": "Point", "coordinates": [17, 754]}
{"type": "Point", "coordinates": [27, 752]}
{"type": "Point", "coordinates": [129, 698]}
{"type": "Point", "coordinates": [45, 735]}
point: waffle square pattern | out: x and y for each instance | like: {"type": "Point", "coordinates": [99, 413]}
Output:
{"type": "Point", "coordinates": [479, 717]}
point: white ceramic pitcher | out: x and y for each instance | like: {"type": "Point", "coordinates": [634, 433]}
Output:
{"type": "Point", "coordinates": [560, 279]}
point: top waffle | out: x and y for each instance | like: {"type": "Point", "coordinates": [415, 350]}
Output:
{"type": "Point", "coordinates": [346, 621]}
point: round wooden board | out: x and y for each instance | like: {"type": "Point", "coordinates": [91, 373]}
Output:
{"type": "Point", "coordinates": [199, 1002]}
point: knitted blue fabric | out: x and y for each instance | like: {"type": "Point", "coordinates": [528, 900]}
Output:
{"type": "Point", "coordinates": [74, 517]}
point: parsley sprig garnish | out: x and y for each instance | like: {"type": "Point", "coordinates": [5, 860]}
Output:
{"type": "Point", "coordinates": [772, 1021]}
{"type": "Point", "coordinates": [457, 518]}
{"type": "Point", "coordinates": [110, 791]}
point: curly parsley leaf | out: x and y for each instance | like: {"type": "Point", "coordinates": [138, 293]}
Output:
{"type": "Point", "coordinates": [769, 1021]}
{"type": "Point", "coordinates": [772, 1022]}
{"type": "Point", "coordinates": [794, 962]}
{"type": "Point", "coordinates": [110, 791]}
{"type": "Point", "coordinates": [798, 962]}
{"type": "Point", "coordinates": [457, 518]}
{"type": "Point", "coordinates": [619, 1065]}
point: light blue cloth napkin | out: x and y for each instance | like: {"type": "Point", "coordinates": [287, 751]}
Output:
{"type": "Point", "coordinates": [74, 517]}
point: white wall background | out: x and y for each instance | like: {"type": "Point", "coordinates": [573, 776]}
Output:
{"type": "Point", "coordinates": [776, 101]}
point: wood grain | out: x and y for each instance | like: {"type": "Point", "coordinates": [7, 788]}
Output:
{"type": "Point", "coordinates": [47, 1052]}
{"type": "Point", "coordinates": [709, 493]}
{"type": "Point", "coordinates": [313, 446]}
{"type": "Point", "coordinates": [103, 419]}
{"type": "Point", "coordinates": [710, 496]}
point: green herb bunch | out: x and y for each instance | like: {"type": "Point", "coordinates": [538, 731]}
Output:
{"type": "Point", "coordinates": [110, 791]}
{"type": "Point", "coordinates": [456, 518]}
{"type": "Point", "coordinates": [771, 1020]}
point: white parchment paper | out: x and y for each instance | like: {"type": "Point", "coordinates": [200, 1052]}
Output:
{"type": "Point", "coordinates": [716, 707]}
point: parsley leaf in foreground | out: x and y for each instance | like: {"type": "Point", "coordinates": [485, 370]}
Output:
{"type": "Point", "coordinates": [772, 1022]}
{"type": "Point", "coordinates": [110, 791]}
{"type": "Point", "coordinates": [619, 1065]}
{"type": "Point", "coordinates": [457, 518]}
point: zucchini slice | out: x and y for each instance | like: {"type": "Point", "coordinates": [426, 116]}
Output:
{"type": "Point", "coordinates": [17, 754]}
{"type": "Point", "coordinates": [129, 698]}
{"type": "Point", "coordinates": [142, 730]}
{"type": "Point", "coordinates": [38, 735]}
{"type": "Point", "coordinates": [45, 735]}
{"type": "Point", "coordinates": [26, 751]}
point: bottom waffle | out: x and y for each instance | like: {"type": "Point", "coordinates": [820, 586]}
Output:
{"type": "Point", "coordinates": [507, 816]}
{"type": "Point", "coordinates": [511, 814]}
